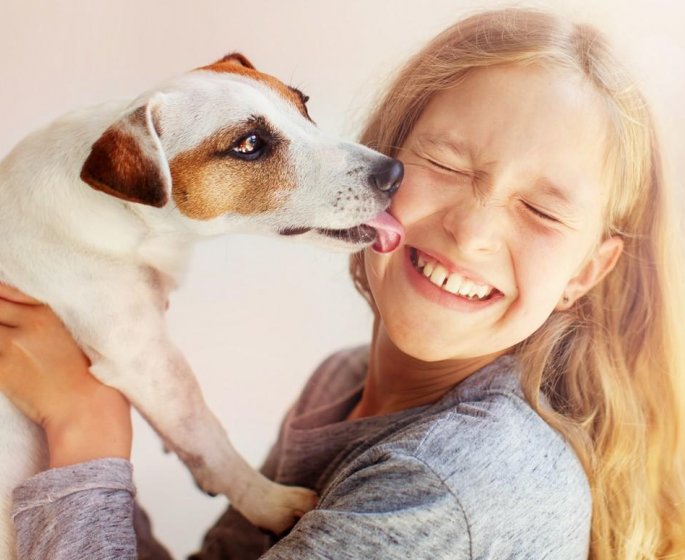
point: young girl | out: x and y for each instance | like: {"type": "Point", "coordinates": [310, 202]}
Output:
{"type": "Point", "coordinates": [522, 395]}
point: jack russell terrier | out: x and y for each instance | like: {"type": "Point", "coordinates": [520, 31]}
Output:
{"type": "Point", "coordinates": [98, 214]}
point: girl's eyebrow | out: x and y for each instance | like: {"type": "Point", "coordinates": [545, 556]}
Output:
{"type": "Point", "coordinates": [458, 147]}
{"type": "Point", "coordinates": [551, 189]}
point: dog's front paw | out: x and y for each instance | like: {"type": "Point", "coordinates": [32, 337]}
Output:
{"type": "Point", "coordinates": [271, 507]}
{"type": "Point", "coordinates": [280, 507]}
{"type": "Point", "coordinates": [267, 505]}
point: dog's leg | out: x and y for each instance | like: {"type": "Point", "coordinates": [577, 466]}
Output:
{"type": "Point", "coordinates": [137, 357]}
{"type": "Point", "coordinates": [163, 389]}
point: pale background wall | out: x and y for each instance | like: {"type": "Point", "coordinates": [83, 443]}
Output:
{"type": "Point", "coordinates": [256, 315]}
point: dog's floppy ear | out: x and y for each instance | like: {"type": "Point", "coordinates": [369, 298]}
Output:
{"type": "Point", "coordinates": [237, 58]}
{"type": "Point", "coordinates": [128, 162]}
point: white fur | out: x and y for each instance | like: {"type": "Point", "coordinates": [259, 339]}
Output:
{"type": "Point", "coordinates": [105, 266]}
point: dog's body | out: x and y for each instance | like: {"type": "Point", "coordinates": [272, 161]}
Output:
{"type": "Point", "coordinates": [99, 212]}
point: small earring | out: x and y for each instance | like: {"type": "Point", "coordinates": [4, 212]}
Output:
{"type": "Point", "coordinates": [566, 299]}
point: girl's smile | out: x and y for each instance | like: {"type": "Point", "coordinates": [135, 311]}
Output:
{"type": "Point", "coordinates": [443, 284]}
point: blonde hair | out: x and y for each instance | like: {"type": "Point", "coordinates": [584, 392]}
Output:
{"type": "Point", "coordinates": [611, 367]}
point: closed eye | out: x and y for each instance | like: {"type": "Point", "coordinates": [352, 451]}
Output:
{"type": "Point", "coordinates": [449, 169]}
{"type": "Point", "coordinates": [540, 214]}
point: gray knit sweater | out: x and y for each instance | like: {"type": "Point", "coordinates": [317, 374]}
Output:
{"type": "Point", "coordinates": [476, 475]}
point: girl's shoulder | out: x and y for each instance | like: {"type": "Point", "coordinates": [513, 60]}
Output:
{"type": "Point", "coordinates": [481, 438]}
{"type": "Point", "coordinates": [485, 428]}
{"type": "Point", "coordinates": [479, 462]}
{"type": "Point", "coordinates": [511, 473]}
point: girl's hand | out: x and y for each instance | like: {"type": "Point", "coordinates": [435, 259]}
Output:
{"type": "Point", "coordinates": [45, 374]}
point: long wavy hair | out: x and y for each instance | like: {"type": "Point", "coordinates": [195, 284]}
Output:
{"type": "Point", "coordinates": [612, 367]}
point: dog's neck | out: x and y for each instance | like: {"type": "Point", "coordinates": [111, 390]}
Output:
{"type": "Point", "coordinates": [163, 246]}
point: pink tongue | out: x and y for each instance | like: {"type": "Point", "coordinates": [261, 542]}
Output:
{"type": "Point", "coordinates": [389, 233]}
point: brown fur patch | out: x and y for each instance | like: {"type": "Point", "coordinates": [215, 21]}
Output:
{"type": "Point", "coordinates": [235, 64]}
{"type": "Point", "coordinates": [118, 166]}
{"type": "Point", "coordinates": [237, 58]}
{"type": "Point", "coordinates": [207, 185]}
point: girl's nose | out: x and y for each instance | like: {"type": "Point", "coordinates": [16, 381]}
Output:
{"type": "Point", "coordinates": [475, 227]}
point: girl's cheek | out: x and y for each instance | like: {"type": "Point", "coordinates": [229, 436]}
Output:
{"type": "Point", "coordinates": [375, 265]}
{"type": "Point", "coordinates": [542, 268]}
{"type": "Point", "coordinates": [406, 202]}
{"type": "Point", "coordinates": [421, 194]}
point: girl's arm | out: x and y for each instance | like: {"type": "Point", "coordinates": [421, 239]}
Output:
{"type": "Point", "coordinates": [45, 374]}
{"type": "Point", "coordinates": [82, 506]}
{"type": "Point", "coordinates": [83, 510]}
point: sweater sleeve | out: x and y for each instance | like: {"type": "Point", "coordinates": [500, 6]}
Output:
{"type": "Point", "coordinates": [88, 511]}
{"type": "Point", "coordinates": [393, 508]}
{"type": "Point", "coordinates": [79, 511]}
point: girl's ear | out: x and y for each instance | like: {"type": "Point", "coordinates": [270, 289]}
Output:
{"type": "Point", "coordinates": [595, 268]}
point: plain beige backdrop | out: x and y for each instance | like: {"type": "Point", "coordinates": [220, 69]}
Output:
{"type": "Point", "coordinates": [256, 315]}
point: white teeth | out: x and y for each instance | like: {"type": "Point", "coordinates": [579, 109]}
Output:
{"type": "Point", "coordinates": [483, 291]}
{"type": "Point", "coordinates": [438, 275]}
{"type": "Point", "coordinates": [453, 283]}
{"type": "Point", "coordinates": [466, 288]}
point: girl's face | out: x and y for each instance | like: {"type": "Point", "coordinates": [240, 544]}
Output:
{"type": "Point", "coordinates": [502, 202]}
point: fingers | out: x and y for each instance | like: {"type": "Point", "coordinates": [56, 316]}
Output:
{"type": "Point", "coordinates": [11, 313]}
{"type": "Point", "coordinates": [15, 306]}
{"type": "Point", "coordinates": [12, 294]}
{"type": "Point", "coordinates": [6, 334]}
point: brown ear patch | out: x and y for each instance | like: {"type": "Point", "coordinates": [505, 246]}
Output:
{"type": "Point", "coordinates": [119, 164]}
{"type": "Point", "coordinates": [207, 185]}
{"type": "Point", "coordinates": [236, 63]}
{"type": "Point", "coordinates": [237, 58]}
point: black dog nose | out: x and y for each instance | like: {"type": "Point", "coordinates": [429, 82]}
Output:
{"type": "Point", "coordinates": [387, 176]}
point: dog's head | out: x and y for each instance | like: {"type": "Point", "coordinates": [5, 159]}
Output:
{"type": "Point", "coordinates": [226, 147]}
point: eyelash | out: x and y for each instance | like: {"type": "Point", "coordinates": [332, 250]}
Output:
{"type": "Point", "coordinates": [530, 208]}
{"type": "Point", "coordinates": [540, 215]}
{"type": "Point", "coordinates": [436, 164]}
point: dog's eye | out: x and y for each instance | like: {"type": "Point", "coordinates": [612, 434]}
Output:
{"type": "Point", "coordinates": [249, 147]}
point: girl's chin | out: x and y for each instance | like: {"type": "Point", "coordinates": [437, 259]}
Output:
{"type": "Point", "coordinates": [412, 338]}
{"type": "Point", "coordinates": [428, 349]}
